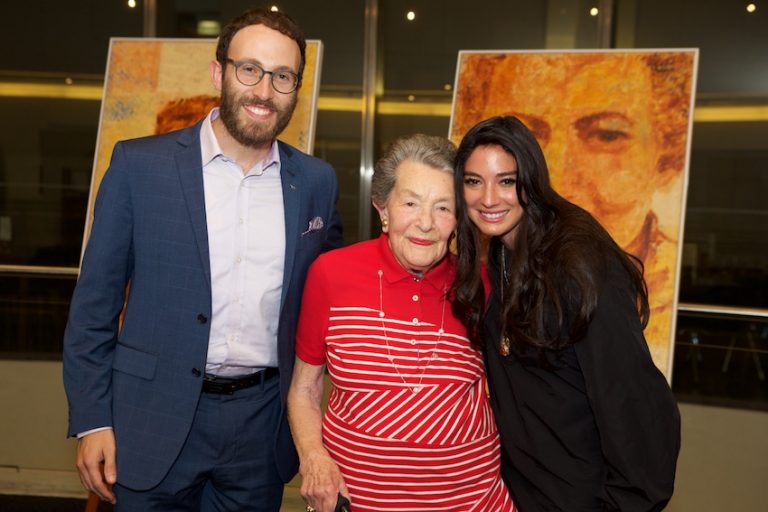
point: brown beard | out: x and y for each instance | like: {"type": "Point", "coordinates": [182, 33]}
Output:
{"type": "Point", "coordinates": [252, 134]}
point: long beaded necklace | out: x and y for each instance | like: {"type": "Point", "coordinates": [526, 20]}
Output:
{"type": "Point", "coordinates": [433, 355]}
{"type": "Point", "coordinates": [504, 343]}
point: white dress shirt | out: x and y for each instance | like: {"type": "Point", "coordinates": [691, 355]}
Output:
{"type": "Point", "coordinates": [246, 242]}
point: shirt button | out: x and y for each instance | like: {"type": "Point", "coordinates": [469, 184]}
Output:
{"type": "Point", "coordinates": [241, 220]}
{"type": "Point", "coordinates": [413, 342]}
{"type": "Point", "coordinates": [415, 321]}
{"type": "Point", "coordinates": [415, 298]}
{"type": "Point", "coordinates": [238, 259]}
{"type": "Point", "coordinates": [196, 372]}
{"type": "Point", "coordinates": [201, 318]}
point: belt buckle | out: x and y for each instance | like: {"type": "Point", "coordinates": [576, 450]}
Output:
{"type": "Point", "coordinates": [218, 388]}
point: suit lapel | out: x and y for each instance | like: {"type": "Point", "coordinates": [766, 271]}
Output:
{"type": "Point", "coordinates": [190, 168]}
{"type": "Point", "coordinates": [290, 178]}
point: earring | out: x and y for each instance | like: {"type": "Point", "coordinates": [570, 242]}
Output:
{"type": "Point", "coordinates": [384, 224]}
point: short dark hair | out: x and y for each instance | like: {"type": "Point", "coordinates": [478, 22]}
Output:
{"type": "Point", "coordinates": [275, 20]}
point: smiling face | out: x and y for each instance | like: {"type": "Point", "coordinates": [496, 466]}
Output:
{"type": "Point", "coordinates": [490, 175]}
{"type": "Point", "coordinates": [419, 215]}
{"type": "Point", "coordinates": [255, 115]}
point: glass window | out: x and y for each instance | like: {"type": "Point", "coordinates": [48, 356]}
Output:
{"type": "Point", "coordinates": [46, 157]}
{"type": "Point", "coordinates": [33, 314]}
{"type": "Point", "coordinates": [721, 360]}
{"type": "Point", "coordinates": [720, 351]}
{"type": "Point", "coordinates": [64, 37]}
{"type": "Point", "coordinates": [50, 92]}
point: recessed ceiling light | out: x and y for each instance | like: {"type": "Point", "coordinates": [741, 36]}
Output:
{"type": "Point", "coordinates": [410, 16]}
{"type": "Point", "coordinates": [751, 8]}
{"type": "Point", "coordinates": [594, 11]}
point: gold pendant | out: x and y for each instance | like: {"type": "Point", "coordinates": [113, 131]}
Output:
{"type": "Point", "coordinates": [504, 346]}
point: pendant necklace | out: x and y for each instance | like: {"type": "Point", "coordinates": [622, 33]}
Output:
{"type": "Point", "coordinates": [504, 344]}
{"type": "Point", "coordinates": [432, 356]}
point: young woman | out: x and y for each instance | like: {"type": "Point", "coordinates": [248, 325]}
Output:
{"type": "Point", "coordinates": [586, 420]}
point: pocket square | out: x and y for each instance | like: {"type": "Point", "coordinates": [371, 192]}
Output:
{"type": "Point", "coordinates": [315, 224]}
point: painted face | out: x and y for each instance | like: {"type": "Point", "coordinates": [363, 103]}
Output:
{"type": "Point", "coordinates": [490, 174]}
{"type": "Point", "coordinates": [419, 215]}
{"type": "Point", "coordinates": [255, 115]}
{"type": "Point", "coordinates": [593, 121]}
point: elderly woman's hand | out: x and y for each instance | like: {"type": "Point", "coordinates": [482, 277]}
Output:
{"type": "Point", "coordinates": [321, 481]}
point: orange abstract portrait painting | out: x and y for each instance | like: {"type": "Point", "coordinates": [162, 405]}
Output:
{"type": "Point", "coordinates": [615, 129]}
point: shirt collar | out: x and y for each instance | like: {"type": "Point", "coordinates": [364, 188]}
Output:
{"type": "Point", "coordinates": [439, 276]}
{"type": "Point", "coordinates": [210, 148]}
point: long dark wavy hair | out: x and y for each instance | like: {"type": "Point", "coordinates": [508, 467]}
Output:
{"type": "Point", "coordinates": [559, 258]}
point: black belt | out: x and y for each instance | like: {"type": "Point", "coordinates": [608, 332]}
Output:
{"type": "Point", "coordinates": [226, 385]}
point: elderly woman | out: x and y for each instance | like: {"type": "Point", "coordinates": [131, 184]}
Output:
{"type": "Point", "coordinates": [408, 425]}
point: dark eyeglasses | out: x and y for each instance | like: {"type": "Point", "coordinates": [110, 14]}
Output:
{"type": "Point", "coordinates": [249, 73]}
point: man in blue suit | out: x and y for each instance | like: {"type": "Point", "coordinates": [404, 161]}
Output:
{"type": "Point", "coordinates": [208, 232]}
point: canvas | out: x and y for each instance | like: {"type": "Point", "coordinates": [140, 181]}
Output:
{"type": "Point", "coordinates": [615, 127]}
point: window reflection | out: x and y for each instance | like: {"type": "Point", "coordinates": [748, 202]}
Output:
{"type": "Point", "coordinates": [33, 314]}
{"type": "Point", "coordinates": [46, 157]}
{"type": "Point", "coordinates": [722, 360]}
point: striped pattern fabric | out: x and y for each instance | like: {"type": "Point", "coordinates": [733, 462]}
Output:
{"type": "Point", "coordinates": [408, 421]}
{"type": "Point", "coordinates": [416, 432]}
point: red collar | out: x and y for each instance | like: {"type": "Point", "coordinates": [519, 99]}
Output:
{"type": "Point", "coordinates": [439, 276]}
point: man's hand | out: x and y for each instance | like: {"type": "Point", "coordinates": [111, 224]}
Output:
{"type": "Point", "coordinates": [96, 463]}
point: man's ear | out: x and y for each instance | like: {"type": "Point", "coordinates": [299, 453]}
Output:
{"type": "Point", "coordinates": [217, 74]}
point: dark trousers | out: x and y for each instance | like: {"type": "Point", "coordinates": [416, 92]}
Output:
{"type": "Point", "coordinates": [227, 462]}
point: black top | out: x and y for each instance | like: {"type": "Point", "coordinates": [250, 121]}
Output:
{"type": "Point", "coordinates": [597, 430]}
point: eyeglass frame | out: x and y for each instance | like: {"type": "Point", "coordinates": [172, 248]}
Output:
{"type": "Point", "coordinates": [238, 63]}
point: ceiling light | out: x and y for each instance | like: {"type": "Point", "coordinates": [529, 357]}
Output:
{"type": "Point", "coordinates": [274, 8]}
{"type": "Point", "coordinates": [410, 16]}
{"type": "Point", "coordinates": [594, 11]}
{"type": "Point", "coordinates": [751, 8]}
{"type": "Point", "coordinates": [131, 3]}
{"type": "Point", "coordinates": [208, 28]}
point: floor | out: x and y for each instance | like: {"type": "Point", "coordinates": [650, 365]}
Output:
{"type": "Point", "coordinates": [292, 502]}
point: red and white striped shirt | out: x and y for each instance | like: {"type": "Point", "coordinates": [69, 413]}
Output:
{"type": "Point", "coordinates": [408, 420]}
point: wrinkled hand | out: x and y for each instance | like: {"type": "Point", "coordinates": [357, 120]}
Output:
{"type": "Point", "coordinates": [321, 482]}
{"type": "Point", "coordinates": [96, 463]}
